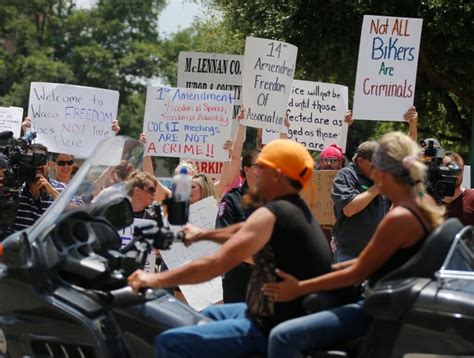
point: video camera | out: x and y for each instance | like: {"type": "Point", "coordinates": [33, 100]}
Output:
{"type": "Point", "coordinates": [19, 165]}
{"type": "Point", "coordinates": [441, 178]}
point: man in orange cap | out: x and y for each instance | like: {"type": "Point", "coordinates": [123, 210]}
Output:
{"type": "Point", "coordinates": [281, 233]}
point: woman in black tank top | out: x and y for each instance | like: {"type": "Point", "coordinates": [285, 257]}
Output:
{"type": "Point", "coordinates": [398, 172]}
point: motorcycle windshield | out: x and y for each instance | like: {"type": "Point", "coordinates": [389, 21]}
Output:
{"type": "Point", "coordinates": [108, 166]}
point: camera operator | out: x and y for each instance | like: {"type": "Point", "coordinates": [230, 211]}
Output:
{"type": "Point", "coordinates": [38, 194]}
{"type": "Point", "coordinates": [461, 204]}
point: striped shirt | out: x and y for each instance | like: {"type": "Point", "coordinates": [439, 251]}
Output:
{"type": "Point", "coordinates": [29, 210]}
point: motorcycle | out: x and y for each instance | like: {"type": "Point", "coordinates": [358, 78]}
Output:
{"type": "Point", "coordinates": [63, 280]}
{"type": "Point", "coordinates": [64, 290]}
{"type": "Point", "coordinates": [422, 309]}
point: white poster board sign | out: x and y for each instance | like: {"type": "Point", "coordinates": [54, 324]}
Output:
{"type": "Point", "coordinates": [316, 113]}
{"type": "Point", "coordinates": [71, 119]}
{"type": "Point", "coordinates": [269, 67]}
{"type": "Point", "coordinates": [466, 179]}
{"type": "Point", "coordinates": [126, 236]}
{"type": "Point", "coordinates": [386, 69]}
{"type": "Point", "coordinates": [212, 71]}
{"type": "Point", "coordinates": [199, 296]}
{"type": "Point", "coordinates": [10, 120]}
{"type": "Point", "coordinates": [191, 123]}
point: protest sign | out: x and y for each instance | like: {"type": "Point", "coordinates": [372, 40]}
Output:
{"type": "Point", "coordinates": [269, 67]}
{"type": "Point", "coordinates": [316, 113]}
{"type": "Point", "coordinates": [212, 169]}
{"type": "Point", "coordinates": [126, 235]}
{"type": "Point", "coordinates": [10, 120]}
{"type": "Point", "coordinates": [212, 71]}
{"type": "Point", "coordinates": [386, 69]}
{"type": "Point", "coordinates": [71, 119]}
{"type": "Point", "coordinates": [191, 123]}
{"type": "Point", "coordinates": [317, 196]}
{"type": "Point", "coordinates": [199, 296]}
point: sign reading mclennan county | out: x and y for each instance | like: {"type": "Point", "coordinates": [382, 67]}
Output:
{"type": "Point", "coordinates": [212, 71]}
{"type": "Point", "coordinates": [190, 123]}
{"type": "Point", "coordinates": [269, 67]}
{"type": "Point", "coordinates": [386, 69]}
{"type": "Point", "coordinates": [10, 120]}
{"type": "Point", "coordinates": [71, 119]}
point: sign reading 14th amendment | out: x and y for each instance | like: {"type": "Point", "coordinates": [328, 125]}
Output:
{"type": "Point", "coordinates": [190, 123]}
{"type": "Point", "coordinates": [386, 69]}
{"type": "Point", "coordinates": [71, 119]}
{"type": "Point", "coordinates": [269, 67]}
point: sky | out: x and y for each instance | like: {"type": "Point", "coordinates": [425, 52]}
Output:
{"type": "Point", "coordinates": [178, 15]}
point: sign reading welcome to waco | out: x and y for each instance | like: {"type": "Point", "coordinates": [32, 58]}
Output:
{"type": "Point", "coordinates": [386, 69]}
{"type": "Point", "coordinates": [269, 67]}
{"type": "Point", "coordinates": [190, 123]}
{"type": "Point", "coordinates": [71, 119]}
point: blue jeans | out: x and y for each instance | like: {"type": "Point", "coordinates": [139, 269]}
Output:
{"type": "Point", "coordinates": [317, 331]}
{"type": "Point", "coordinates": [232, 335]}
{"type": "Point", "coordinates": [338, 257]}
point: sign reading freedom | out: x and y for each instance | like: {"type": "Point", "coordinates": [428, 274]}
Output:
{"type": "Point", "coordinates": [191, 123]}
{"type": "Point", "coordinates": [71, 119]}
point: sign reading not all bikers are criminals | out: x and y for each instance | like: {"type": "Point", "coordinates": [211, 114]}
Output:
{"type": "Point", "coordinates": [71, 119]}
{"type": "Point", "coordinates": [387, 66]}
{"type": "Point", "coordinates": [189, 123]}
{"type": "Point", "coordinates": [269, 68]}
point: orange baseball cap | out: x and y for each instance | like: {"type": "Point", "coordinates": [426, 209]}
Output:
{"type": "Point", "coordinates": [290, 157]}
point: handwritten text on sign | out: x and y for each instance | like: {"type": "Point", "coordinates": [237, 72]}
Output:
{"type": "Point", "coordinates": [386, 70]}
{"type": "Point", "coordinates": [269, 67]}
{"type": "Point", "coordinates": [10, 120]}
{"type": "Point", "coordinates": [71, 119]}
{"type": "Point", "coordinates": [191, 123]}
{"type": "Point", "coordinates": [212, 71]}
{"type": "Point", "coordinates": [318, 196]}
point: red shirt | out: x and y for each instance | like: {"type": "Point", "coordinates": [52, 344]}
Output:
{"type": "Point", "coordinates": [463, 207]}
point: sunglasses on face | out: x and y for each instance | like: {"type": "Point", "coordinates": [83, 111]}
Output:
{"type": "Point", "coordinates": [150, 190]}
{"type": "Point", "coordinates": [330, 160]}
{"type": "Point", "coordinates": [62, 163]}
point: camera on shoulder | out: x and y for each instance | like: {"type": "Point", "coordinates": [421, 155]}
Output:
{"type": "Point", "coordinates": [441, 178]}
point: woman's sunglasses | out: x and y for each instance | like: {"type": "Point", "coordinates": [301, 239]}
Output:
{"type": "Point", "coordinates": [62, 163]}
{"type": "Point", "coordinates": [150, 190]}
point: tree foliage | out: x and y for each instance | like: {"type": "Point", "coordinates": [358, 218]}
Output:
{"type": "Point", "coordinates": [327, 34]}
{"type": "Point", "coordinates": [113, 45]}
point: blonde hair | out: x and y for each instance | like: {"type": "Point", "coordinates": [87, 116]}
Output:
{"type": "Point", "coordinates": [206, 184]}
{"type": "Point", "coordinates": [399, 146]}
{"type": "Point", "coordinates": [139, 179]}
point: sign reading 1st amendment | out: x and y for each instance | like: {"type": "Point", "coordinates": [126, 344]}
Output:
{"type": "Point", "coordinates": [10, 120]}
{"type": "Point", "coordinates": [269, 67]}
{"type": "Point", "coordinates": [386, 69]}
{"type": "Point", "coordinates": [190, 123]}
{"type": "Point", "coordinates": [71, 119]}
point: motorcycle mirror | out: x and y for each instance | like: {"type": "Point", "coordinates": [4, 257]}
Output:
{"type": "Point", "coordinates": [15, 251]}
{"type": "Point", "coordinates": [116, 208]}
